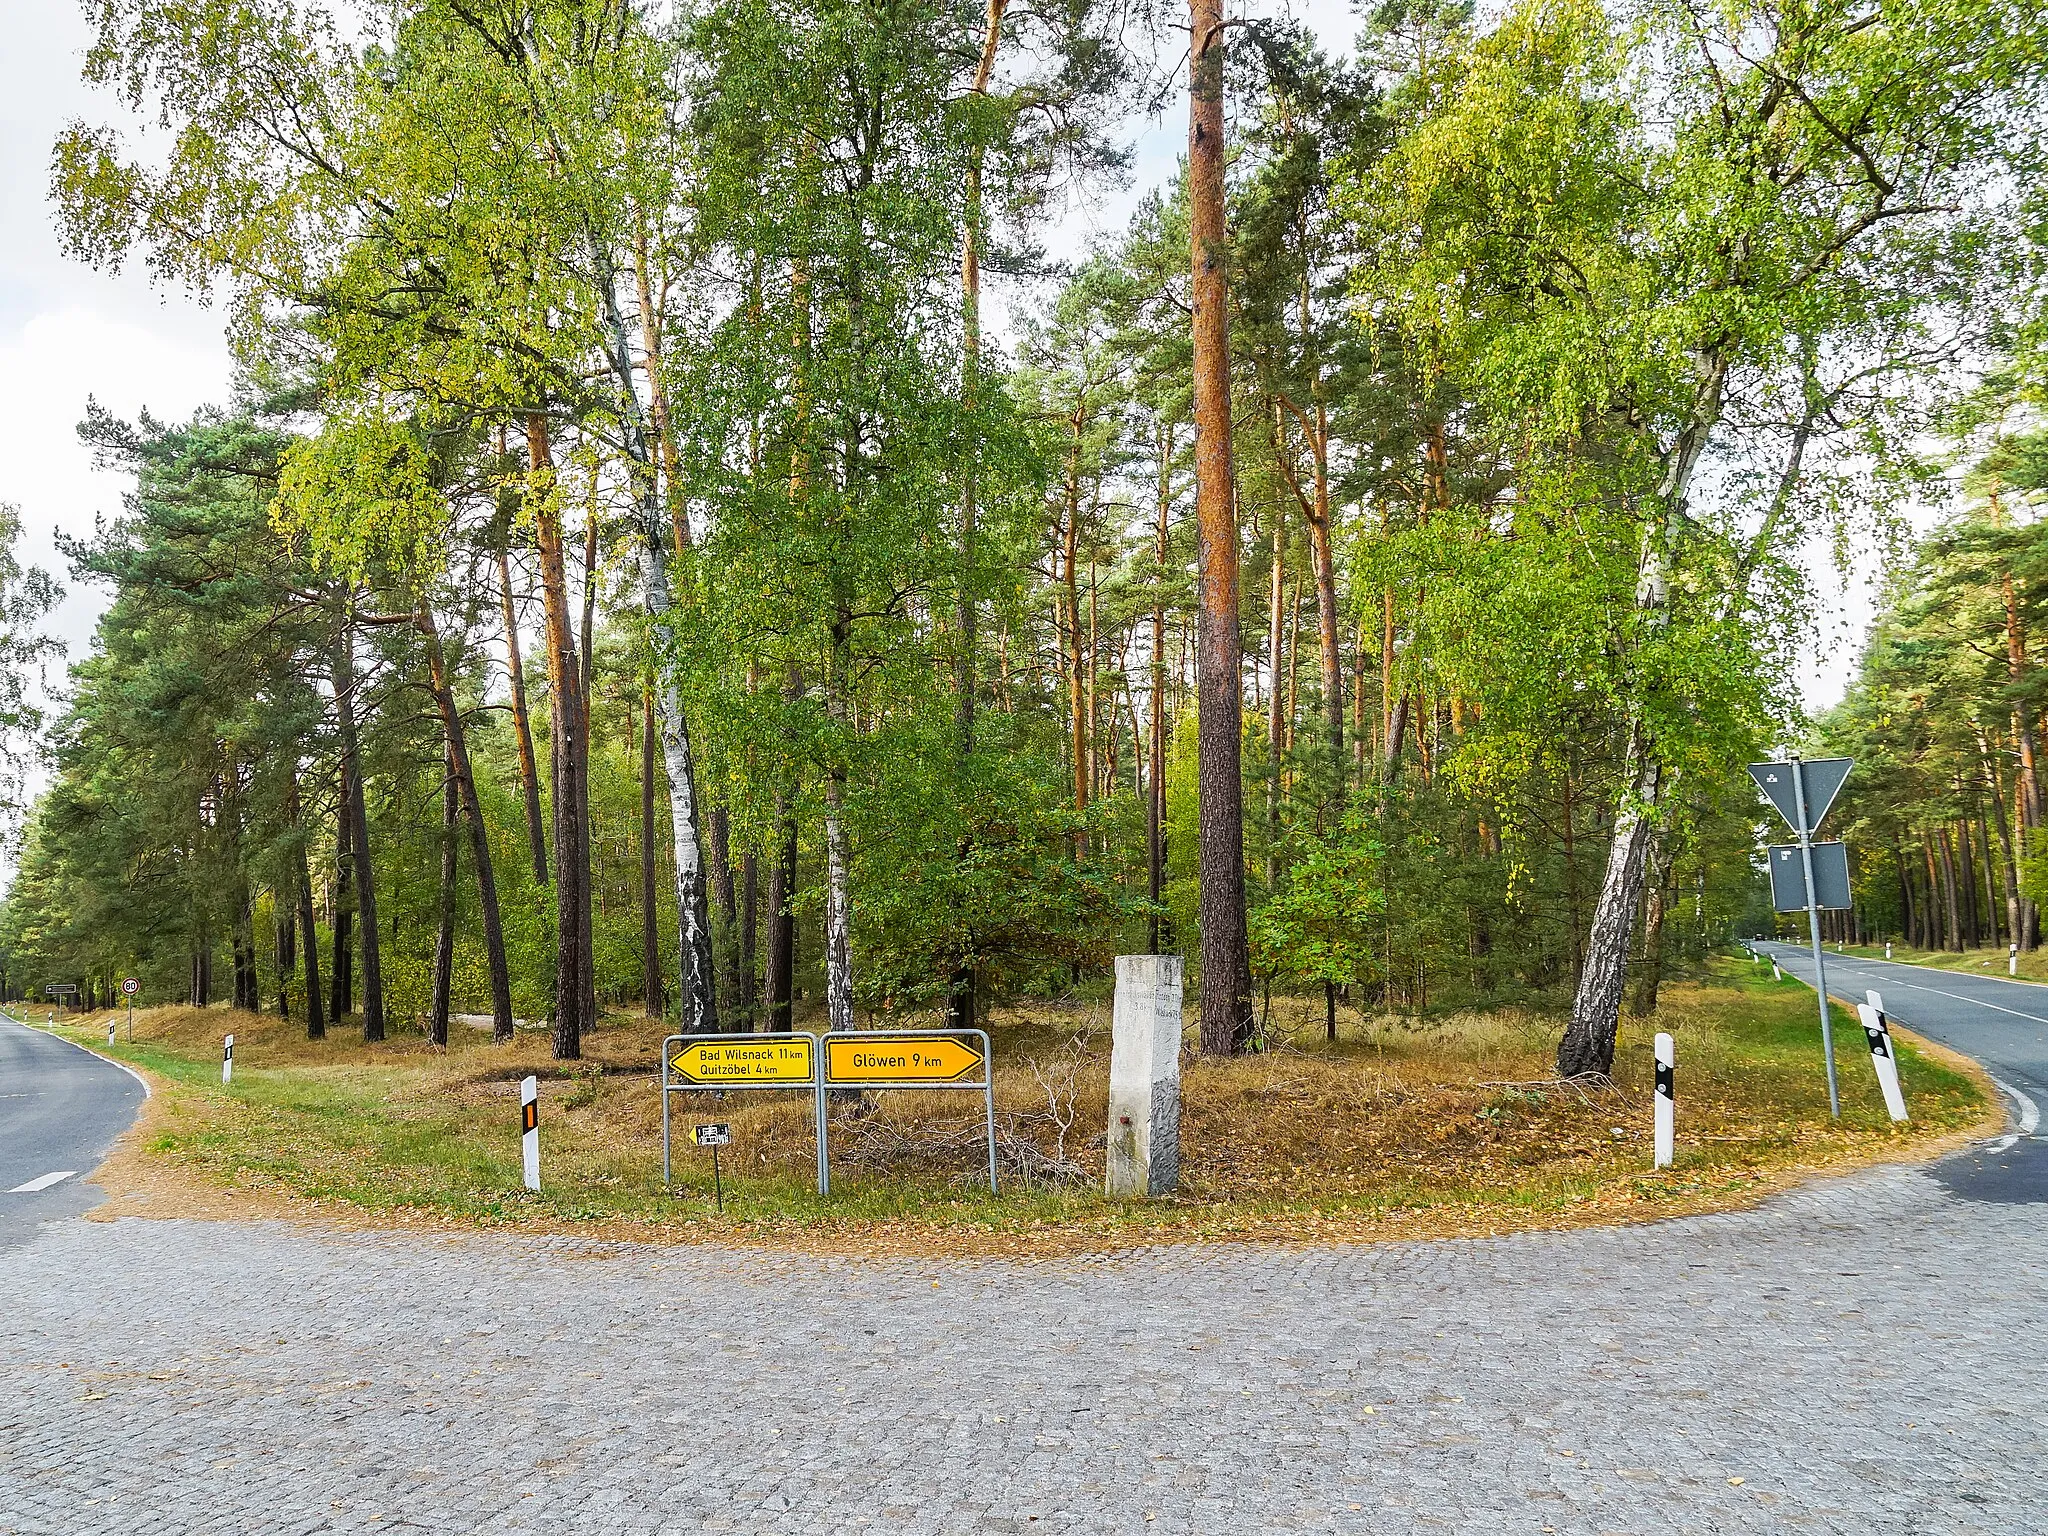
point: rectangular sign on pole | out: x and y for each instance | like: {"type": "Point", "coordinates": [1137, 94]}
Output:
{"type": "Point", "coordinates": [1830, 878]}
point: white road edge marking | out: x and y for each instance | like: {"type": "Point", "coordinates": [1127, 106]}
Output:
{"type": "Point", "coordinates": [2030, 1117]}
{"type": "Point", "coordinates": [33, 1185]}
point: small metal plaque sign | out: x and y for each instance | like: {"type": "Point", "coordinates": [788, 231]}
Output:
{"type": "Point", "coordinates": [717, 1135]}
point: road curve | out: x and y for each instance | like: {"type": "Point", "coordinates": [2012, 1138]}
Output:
{"type": "Point", "coordinates": [2003, 1024]}
{"type": "Point", "coordinates": [60, 1109]}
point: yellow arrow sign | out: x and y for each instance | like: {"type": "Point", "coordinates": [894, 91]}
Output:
{"type": "Point", "coordinates": [902, 1059]}
{"type": "Point", "coordinates": [763, 1059]}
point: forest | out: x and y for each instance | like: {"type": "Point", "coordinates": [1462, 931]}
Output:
{"type": "Point", "coordinates": [681, 543]}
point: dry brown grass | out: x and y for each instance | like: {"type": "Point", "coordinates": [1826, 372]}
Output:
{"type": "Point", "coordinates": [1402, 1128]}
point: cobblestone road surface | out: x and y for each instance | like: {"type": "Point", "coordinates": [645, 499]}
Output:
{"type": "Point", "coordinates": [1863, 1356]}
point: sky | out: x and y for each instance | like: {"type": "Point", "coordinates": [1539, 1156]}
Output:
{"type": "Point", "coordinates": [69, 333]}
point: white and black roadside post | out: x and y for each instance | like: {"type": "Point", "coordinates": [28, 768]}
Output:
{"type": "Point", "coordinates": [227, 1061]}
{"type": "Point", "coordinates": [1887, 949]}
{"type": "Point", "coordinates": [1667, 1107]}
{"type": "Point", "coordinates": [2012, 959]}
{"type": "Point", "coordinates": [1877, 1030]}
{"type": "Point", "coordinates": [1776, 974]}
{"type": "Point", "coordinates": [1144, 1077]}
{"type": "Point", "coordinates": [110, 1033]}
{"type": "Point", "coordinates": [529, 1131]}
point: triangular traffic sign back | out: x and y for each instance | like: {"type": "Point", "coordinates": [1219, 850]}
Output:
{"type": "Point", "coordinates": [1824, 777]}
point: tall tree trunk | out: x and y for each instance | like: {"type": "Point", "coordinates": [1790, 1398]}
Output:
{"type": "Point", "coordinates": [1588, 1043]}
{"type": "Point", "coordinates": [1070, 537]}
{"type": "Point", "coordinates": [529, 774]}
{"type": "Point", "coordinates": [462, 783]}
{"type": "Point", "coordinates": [1651, 976]}
{"type": "Point", "coordinates": [838, 871]}
{"type": "Point", "coordinates": [1226, 954]}
{"type": "Point", "coordinates": [1155, 798]}
{"type": "Point", "coordinates": [650, 926]}
{"type": "Point", "coordinates": [587, 657]}
{"type": "Point", "coordinates": [316, 1018]}
{"type": "Point", "coordinates": [285, 947]}
{"type": "Point", "coordinates": [1932, 908]}
{"type": "Point", "coordinates": [2008, 864]}
{"type": "Point", "coordinates": [1954, 925]}
{"type": "Point", "coordinates": [750, 918]}
{"type": "Point", "coordinates": [782, 918]}
{"type": "Point", "coordinates": [726, 905]}
{"type": "Point", "coordinates": [696, 988]}
{"type": "Point", "coordinates": [342, 993]}
{"type": "Point", "coordinates": [359, 836]}
{"type": "Point", "coordinates": [657, 393]}
{"type": "Point", "coordinates": [565, 700]}
{"type": "Point", "coordinates": [961, 1003]}
{"type": "Point", "coordinates": [444, 932]}
{"type": "Point", "coordinates": [1276, 618]}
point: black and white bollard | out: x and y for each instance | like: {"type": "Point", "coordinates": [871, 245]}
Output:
{"type": "Point", "coordinates": [1887, 949]}
{"type": "Point", "coordinates": [1776, 974]}
{"type": "Point", "coordinates": [2012, 959]}
{"type": "Point", "coordinates": [1878, 1032]}
{"type": "Point", "coordinates": [110, 1034]}
{"type": "Point", "coordinates": [1667, 1107]}
{"type": "Point", "coordinates": [227, 1060]}
{"type": "Point", "coordinates": [529, 1130]}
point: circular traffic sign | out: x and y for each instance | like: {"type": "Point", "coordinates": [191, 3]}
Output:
{"type": "Point", "coordinates": [131, 986]}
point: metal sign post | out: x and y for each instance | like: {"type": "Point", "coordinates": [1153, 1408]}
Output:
{"type": "Point", "coordinates": [715, 1135]}
{"type": "Point", "coordinates": [129, 987]}
{"type": "Point", "coordinates": [1820, 974]}
{"type": "Point", "coordinates": [1803, 792]}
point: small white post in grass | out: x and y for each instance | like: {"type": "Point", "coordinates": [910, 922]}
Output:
{"type": "Point", "coordinates": [1667, 1067]}
{"type": "Point", "coordinates": [1776, 974]}
{"type": "Point", "coordinates": [110, 1033]}
{"type": "Point", "coordinates": [1877, 1030]}
{"type": "Point", "coordinates": [2012, 959]}
{"type": "Point", "coordinates": [1887, 949]}
{"type": "Point", "coordinates": [227, 1060]}
{"type": "Point", "coordinates": [529, 1130]}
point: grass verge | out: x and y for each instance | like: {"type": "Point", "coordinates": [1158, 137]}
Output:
{"type": "Point", "coordinates": [1404, 1127]}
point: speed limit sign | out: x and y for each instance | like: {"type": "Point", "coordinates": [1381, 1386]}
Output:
{"type": "Point", "coordinates": [131, 986]}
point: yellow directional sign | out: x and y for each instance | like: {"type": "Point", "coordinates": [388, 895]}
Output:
{"type": "Point", "coordinates": [902, 1059]}
{"type": "Point", "coordinates": [762, 1059]}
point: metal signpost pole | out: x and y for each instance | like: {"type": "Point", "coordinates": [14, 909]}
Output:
{"type": "Point", "coordinates": [1820, 975]}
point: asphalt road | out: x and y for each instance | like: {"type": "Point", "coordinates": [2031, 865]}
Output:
{"type": "Point", "coordinates": [2002, 1023]}
{"type": "Point", "coordinates": [60, 1109]}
